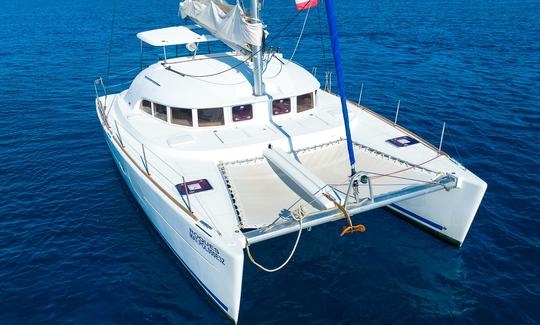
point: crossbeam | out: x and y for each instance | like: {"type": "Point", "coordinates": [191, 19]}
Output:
{"type": "Point", "coordinates": [317, 218]}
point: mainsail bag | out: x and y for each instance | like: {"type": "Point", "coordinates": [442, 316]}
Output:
{"type": "Point", "coordinates": [227, 22]}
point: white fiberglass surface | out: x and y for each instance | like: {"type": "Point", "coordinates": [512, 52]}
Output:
{"type": "Point", "coordinates": [252, 182]}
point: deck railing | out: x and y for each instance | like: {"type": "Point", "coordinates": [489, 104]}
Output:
{"type": "Point", "coordinates": [148, 161]}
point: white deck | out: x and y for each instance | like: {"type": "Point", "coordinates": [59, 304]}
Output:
{"type": "Point", "coordinates": [196, 152]}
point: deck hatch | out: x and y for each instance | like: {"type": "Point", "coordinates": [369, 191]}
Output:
{"type": "Point", "coordinates": [403, 141]}
{"type": "Point", "coordinates": [199, 185]}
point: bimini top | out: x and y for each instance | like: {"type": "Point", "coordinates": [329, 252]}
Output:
{"type": "Point", "coordinates": [176, 35]}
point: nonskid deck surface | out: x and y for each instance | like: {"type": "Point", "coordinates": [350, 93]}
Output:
{"type": "Point", "coordinates": [262, 193]}
{"type": "Point", "coordinates": [234, 140]}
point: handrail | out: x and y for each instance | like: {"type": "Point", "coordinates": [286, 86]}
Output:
{"type": "Point", "coordinates": [103, 106]}
{"type": "Point", "coordinates": [147, 165]}
{"type": "Point", "coordinates": [387, 121]}
{"type": "Point", "coordinates": [126, 146]}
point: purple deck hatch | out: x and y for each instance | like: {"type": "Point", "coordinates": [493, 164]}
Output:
{"type": "Point", "coordinates": [199, 185]}
{"type": "Point", "coordinates": [403, 141]}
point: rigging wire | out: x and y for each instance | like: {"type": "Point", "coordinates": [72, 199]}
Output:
{"type": "Point", "coordinates": [248, 58]}
{"type": "Point", "coordinates": [120, 74]}
{"type": "Point", "coordinates": [408, 168]}
{"type": "Point", "coordinates": [452, 141]}
{"type": "Point", "coordinates": [323, 50]}
{"type": "Point", "coordinates": [300, 36]}
{"type": "Point", "coordinates": [111, 38]}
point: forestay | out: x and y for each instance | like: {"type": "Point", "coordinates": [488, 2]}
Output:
{"type": "Point", "coordinates": [227, 22]}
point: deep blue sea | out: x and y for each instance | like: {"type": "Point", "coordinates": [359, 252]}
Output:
{"type": "Point", "coordinates": [76, 248]}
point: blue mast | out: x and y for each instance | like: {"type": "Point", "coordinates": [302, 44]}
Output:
{"type": "Point", "coordinates": [341, 82]}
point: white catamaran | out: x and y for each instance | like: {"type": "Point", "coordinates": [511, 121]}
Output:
{"type": "Point", "coordinates": [224, 150]}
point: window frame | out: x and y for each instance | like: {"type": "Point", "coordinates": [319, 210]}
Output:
{"type": "Point", "coordinates": [193, 116]}
{"type": "Point", "coordinates": [239, 106]}
{"type": "Point", "coordinates": [166, 112]}
{"type": "Point", "coordinates": [290, 106]}
{"type": "Point", "coordinates": [223, 117]}
{"type": "Point", "coordinates": [312, 102]}
{"type": "Point", "coordinates": [151, 113]}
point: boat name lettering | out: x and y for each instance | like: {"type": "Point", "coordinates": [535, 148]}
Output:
{"type": "Point", "coordinates": [209, 248]}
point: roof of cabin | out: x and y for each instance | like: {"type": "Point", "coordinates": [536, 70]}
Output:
{"type": "Point", "coordinates": [179, 83]}
{"type": "Point", "coordinates": [176, 35]}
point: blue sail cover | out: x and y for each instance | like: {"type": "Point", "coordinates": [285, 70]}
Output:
{"type": "Point", "coordinates": [341, 82]}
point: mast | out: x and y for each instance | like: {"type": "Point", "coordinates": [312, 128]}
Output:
{"type": "Point", "coordinates": [341, 82]}
{"type": "Point", "coordinates": [256, 52]}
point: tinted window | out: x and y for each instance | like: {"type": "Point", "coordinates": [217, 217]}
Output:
{"type": "Point", "coordinates": [181, 116]}
{"type": "Point", "coordinates": [211, 116]}
{"type": "Point", "coordinates": [242, 113]}
{"type": "Point", "coordinates": [160, 111]}
{"type": "Point", "coordinates": [304, 102]}
{"type": "Point", "coordinates": [281, 106]}
{"type": "Point", "coordinates": [146, 106]}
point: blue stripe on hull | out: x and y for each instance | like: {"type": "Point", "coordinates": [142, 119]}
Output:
{"type": "Point", "coordinates": [417, 217]}
{"type": "Point", "coordinates": [216, 299]}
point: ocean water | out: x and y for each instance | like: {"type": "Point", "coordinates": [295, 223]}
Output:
{"type": "Point", "coordinates": [76, 248]}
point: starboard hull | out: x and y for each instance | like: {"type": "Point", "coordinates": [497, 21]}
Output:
{"type": "Point", "coordinates": [446, 214]}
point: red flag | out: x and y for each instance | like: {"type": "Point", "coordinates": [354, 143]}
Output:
{"type": "Point", "coordinates": [304, 4]}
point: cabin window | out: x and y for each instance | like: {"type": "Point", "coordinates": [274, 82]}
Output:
{"type": "Point", "coordinates": [211, 116]}
{"type": "Point", "coordinates": [242, 113]}
{"type": "Point", "coordinates": [304, 102]}
{"type": "Point", "coordinates": [182, 116]}
{"type": "Point", "coordinates": [146, 106]}
{"type": "Point", "coordinates": [160, 111]}
{"type": "Point", "coordinates": [281, 106]}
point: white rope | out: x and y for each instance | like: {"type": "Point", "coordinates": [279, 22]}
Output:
{"type": "Point", "coordinates": [301, 33]}
{"type": "Point", "coordinates": [300, 217]}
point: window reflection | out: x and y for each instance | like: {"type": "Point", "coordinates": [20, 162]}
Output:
{"type": "Point", "coordinates": [304, 102]}
{"type": "Point", "coordinates": [160, 111]}
{"type": "Point", "coordinates": [181, 116]}
{"type": "Point", "coordinates": [281, 106]}
{"type": "Point", "coordinates": [146, 106]}
{"type": "Point", "coordinates": [242, 113]}
{"type": "Point", "coordinates": [211, 116]}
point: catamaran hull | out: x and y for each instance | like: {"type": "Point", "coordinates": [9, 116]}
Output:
{"type": "Point", "coordinates": [447, 214]}
{"type": "Point", "coordinates": [220, 279]}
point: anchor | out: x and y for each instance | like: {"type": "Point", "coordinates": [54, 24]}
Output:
{"type": "Point", "coordinates": [350, 228]}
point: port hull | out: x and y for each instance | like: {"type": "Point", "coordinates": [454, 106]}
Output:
{"type": "Point", "coordinates": [219, 276]}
